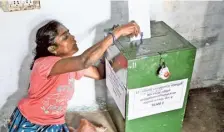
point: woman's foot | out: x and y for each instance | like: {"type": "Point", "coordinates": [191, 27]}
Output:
{"type": "Point", "coordinates": [101, 129]}
{"type": "Point", "coordinates": [86, 126]}
{"type": "Point", "coordinates": [71, 129]}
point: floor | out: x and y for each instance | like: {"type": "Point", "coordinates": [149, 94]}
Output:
{"type": "Point", "coordinates": [204, 112]}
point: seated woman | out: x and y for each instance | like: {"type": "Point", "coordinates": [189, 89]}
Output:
{"type": "Point", "coordinates": [53, 72]}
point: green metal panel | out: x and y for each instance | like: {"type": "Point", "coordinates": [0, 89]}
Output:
{"type": "Point", "coordinates": [143, 61]}
{"type": "Point", "coordinates": [163, 39]}
{"type": "Point", "coordinates": [180, 64]}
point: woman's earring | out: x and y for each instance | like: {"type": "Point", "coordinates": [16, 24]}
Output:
{"type": "Point", "coordinates": [52, 49]}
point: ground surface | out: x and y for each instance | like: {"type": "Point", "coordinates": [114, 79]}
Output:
{"type": "Point", "coordinates": [205, 112]}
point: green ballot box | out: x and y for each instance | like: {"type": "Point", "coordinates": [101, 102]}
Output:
{"type": "Point", "coordinates": [148, 81]}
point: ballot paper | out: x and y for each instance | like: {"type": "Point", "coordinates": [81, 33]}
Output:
{"type": "Point", "coordinates": [139, 11]}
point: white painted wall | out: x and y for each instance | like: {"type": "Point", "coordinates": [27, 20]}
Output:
{"type": "Point", "coordinates": [17, 35]}
{"type": "Point", "coordinates": [199, 22]}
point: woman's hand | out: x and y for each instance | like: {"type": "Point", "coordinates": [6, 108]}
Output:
{"type": "Point", "coordinates": [129, 29]}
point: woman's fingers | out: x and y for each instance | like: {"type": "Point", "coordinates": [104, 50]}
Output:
{"type": "Point", "coordinates": [136, 32]}
{"type": "Point", "coordinates": [131, 29]}
{"type": "Point", "coordinates": [136, 25]}
{"type": "Point", "coordinates": [136, 28]}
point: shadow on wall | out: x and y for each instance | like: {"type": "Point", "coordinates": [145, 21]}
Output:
{"type": "Point", "coordinates": [119, 15]}
{"type": "Point", "coordinates": [210, 57]}
{"type": "Point", "coordinates": [23, 82]}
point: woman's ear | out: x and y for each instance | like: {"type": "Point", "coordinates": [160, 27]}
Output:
{"type": "Point", "coordinates": [52, 49]}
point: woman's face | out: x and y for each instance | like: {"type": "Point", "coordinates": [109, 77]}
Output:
{"type": "Point", "coordinates": [66, 43]}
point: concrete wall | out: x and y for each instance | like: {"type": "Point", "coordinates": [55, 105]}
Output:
{"type": "Point", "coordinates": [199, 22]}
{"type": "Point", "coordinates": [85, 20]}
{"type": "Point", "coordinates": [17, 35]}
{"type": "Point", "coordinates": [202, 23]}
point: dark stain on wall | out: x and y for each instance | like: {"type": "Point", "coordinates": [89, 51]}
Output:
{"type": "Point", "coordinates": [210, 40]}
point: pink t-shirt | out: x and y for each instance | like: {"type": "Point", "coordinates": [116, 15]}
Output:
{"type": "Point", "coordinates": [47, 98]}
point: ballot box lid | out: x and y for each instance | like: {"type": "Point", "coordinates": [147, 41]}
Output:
{"type": "Point", "coordinates": [163, 39]}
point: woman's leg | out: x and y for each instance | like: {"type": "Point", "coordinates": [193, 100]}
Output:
{"type": "Point", "coordinates": [18, 123]}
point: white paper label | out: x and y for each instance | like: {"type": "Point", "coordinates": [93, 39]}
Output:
{"type": "Point", "coordinates": [139, 11]}
{"type": "Point", "coordinates": [116, 88]}
{"type": "Point", "coordinates": [156, 99]}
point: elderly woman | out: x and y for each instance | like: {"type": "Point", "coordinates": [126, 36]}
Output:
{"type": "Point", "coordinates": [54, 70]}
